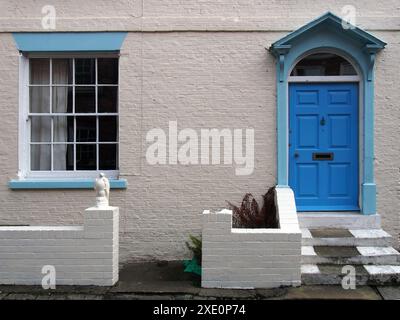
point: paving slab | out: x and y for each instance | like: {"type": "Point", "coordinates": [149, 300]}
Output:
{"type": "Point", "coordinates": [3, 295]}
{"type": "Point", "coordinates": [389, 292]}
{"type": "Point", "coordinates": [20, 296]}
{"type": "Point", "coordinates": [84, 297]}
{"type": "Point", "coordinates": [52, 297]}
{"type": "Point", "coordinates": [228, 293]}
{"type": "Point", "coordinates": [59, 289]}
{"type": "Point", "coordinates": [331, 292]}
{"type": "Point", "coordinates": [166, 277]}
{"type": "Point", "coordinates": [166, 280]}
{"type": "Point", "coordinates": [127, 296]}
{"type": "Point", "coordinates": [271, 293]}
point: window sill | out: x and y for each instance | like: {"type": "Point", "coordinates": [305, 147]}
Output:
{"type": "Point", "coordinates": [63, 184]}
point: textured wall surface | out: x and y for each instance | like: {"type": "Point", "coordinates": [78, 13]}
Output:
{"type": "Point", "coordinates": [216, 74]}
{"type": "Point", "coordinates": [86, 255]}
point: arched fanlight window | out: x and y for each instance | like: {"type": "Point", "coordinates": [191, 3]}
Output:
{"type": "Point", "coordinates": [323, 64]}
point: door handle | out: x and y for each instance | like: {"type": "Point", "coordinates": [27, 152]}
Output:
{"type": "Point", "coordinates": [322, 122]}
{"type": "Point", "coordinates": [296, 155]}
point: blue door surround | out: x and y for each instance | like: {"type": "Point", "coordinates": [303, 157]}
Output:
{"type": "Point", "coordinates": [323, 146]}
{"type": "Point", "coordinates": [326, 33]}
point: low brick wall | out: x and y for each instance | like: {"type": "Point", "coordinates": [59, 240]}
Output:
{"type": "Point", "coordinates": [252, 258]}
{"type": "Point", "coordinates": [81, 255]}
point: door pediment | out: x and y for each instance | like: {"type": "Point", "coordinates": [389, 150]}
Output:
{"type": "Point", "coordinates": [328, 23]}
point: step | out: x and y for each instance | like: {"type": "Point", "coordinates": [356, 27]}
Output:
{"type": "Point", "coordinates": [349, 255]}
{"type": "Point", "coordinates": [315, 274]}
{"type": "Point", "coordinates": [346, 237]}
{"type": "Point", "coordinates": [343, 220]}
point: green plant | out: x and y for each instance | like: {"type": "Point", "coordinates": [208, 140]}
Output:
{"type": "Point", "coordinates": [194, 265]}
{"type": "Point", "coordinates": [249, 214]}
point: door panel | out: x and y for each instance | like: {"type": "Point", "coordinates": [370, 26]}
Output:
{"type": "Point", "coordinates": [338, 179]}
{"type": "Point", "coordinates": [307, 181]}
{"type": "Point", "coordinates": [307, 130]}
{"type": "Point", "coordinates": [340, 133]}
{"type": "Point", "coordinates": [323, 146]}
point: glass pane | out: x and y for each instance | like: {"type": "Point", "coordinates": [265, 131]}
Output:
{"type": "Point", "coordinates": [323, 64]}
{"type": "Point", "coordinates": [108, 157]}
{"type": "Point", "coordinates": [107, 70]}
{"type": "Point", "coordinates": [108, 97]}
{"type": "Point", "coordinates": [63, 129]}
{"type": "Point", "coordinates": [86, 157]}
{"type": "Point", "coordinates": [62, 71]}
{"type": "Point", "coordinates": [108, 129]}
{"type": "Point", "coordinates": [41, 129]}
{"type": "Point", "coordinates": [84, 99]}
{"type": "Point", "coordinates": [84, 71]}
{"type": "Point", "coordinates": [62, 100]}
{"type": "Point", "coordinates": [39, 71]}
{"type": "Point", "coordinates": [39, 99]}
{"type": "Point", "coordinates": [85, 129]}
{"type": "Point", "coordinates": [40, 157]}
{"type": "Point", "coordinates": [63, 157]}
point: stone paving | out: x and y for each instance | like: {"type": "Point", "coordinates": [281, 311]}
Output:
{"type": "Point", "coordinates": [168, 281]}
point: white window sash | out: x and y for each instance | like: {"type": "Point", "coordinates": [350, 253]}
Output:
{"type": "Point", "coordinates": [24, 138]}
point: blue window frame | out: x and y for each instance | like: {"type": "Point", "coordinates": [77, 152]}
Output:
{"type": "Point", "coordinates": [67, 54]}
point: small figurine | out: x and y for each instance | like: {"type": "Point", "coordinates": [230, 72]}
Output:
{"type": "Point", "coordinates": [102, 187]}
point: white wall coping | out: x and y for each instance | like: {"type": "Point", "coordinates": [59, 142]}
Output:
{"type": "Point", "coordinates": [285, 210]}
{"type": "Point", "coordinates": [41, 228]}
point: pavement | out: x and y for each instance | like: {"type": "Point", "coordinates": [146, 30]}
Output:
{"type": "Point", "coordinates": [167, 281]}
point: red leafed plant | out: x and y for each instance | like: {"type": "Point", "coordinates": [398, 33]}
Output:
{"type": "Point", "coordinates": [249, 214]}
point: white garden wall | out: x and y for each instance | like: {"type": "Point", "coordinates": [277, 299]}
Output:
{"type": "Point", "coordinates": [81, 255]}
{"type": "Point", "coordinates": [252, 258]}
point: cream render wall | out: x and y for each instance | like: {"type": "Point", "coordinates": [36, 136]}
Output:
{"type": "Point", "coordinates": [222, 78]}
{"type": "Point", "coordinates": [194, 15]}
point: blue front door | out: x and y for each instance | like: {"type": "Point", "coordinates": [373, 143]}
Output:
{"type": "Point", "coordinates": [323, 146]}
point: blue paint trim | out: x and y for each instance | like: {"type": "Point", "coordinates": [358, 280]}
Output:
{"type": "Point", "coordinates": [69, 41]}
{"type": "Point", "coordinates": [63, 184]}
{"type": "Point", "coordinates": [330, 19]}
{"type": "Point", "coordinates": [282, 133]}
{"type": "Point", "coordinates": [358, 46]}
{"type": "Point", "coordinates": [368, 193]}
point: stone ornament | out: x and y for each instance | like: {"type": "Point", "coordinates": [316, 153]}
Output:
{"type": "Point", "coordinates": [102, 187]}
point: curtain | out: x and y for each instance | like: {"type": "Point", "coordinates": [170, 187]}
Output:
{"type": "Point", "coordinates": [41, 126]}
{"type": "Point", "coordinates": [60, 105]}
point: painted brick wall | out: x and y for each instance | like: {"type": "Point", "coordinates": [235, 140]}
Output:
{"type": "Point", "coordinates": [193, 15]}
{"type": "Point", "coordinates": [201, 80]}
{"type": "Point", "coordinates": [85, 255]}
{"type": "Point", "coordinates": [252, 258]}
